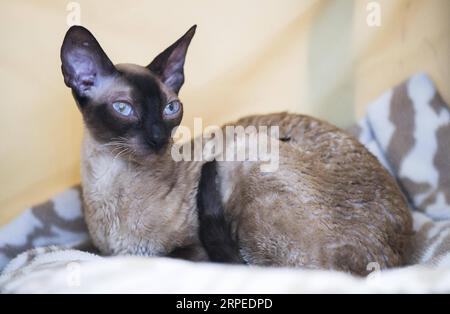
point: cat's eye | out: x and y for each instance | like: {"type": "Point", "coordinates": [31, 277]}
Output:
{"type": "Point", "coordinates": [172, 109]}
{"type": "Point", "coordinates": [123, 108]}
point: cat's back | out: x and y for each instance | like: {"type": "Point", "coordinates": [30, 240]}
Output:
{"type": "Point", "coordinates": [329, 203]}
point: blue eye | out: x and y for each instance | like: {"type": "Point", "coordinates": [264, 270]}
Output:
{"type": "Point", "coordinates": [123, 108]}
{"type": "Point", "coordinates": [172, 109]}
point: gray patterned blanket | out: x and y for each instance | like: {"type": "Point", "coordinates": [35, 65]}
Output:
{"type": "Point", "coordinates": [407, 128]}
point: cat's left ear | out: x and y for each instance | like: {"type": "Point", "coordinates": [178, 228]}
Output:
{"type": "Point", "coordinates": [84, 63]}
{"type": "Point", "coordinates": [168, 65]}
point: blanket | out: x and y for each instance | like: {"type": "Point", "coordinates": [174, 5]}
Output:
{"type": "Point", "coordinates": [407, 129]}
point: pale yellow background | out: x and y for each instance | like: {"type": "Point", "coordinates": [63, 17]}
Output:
{"type": "Point", "coordinates": [248, 56]}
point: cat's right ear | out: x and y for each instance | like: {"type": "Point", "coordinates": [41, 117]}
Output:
{"type": "Point", "coordinates": [168, 65]}
{"type": "Point", "coordinates": [84, 63]}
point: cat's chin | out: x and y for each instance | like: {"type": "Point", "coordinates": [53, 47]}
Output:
{"type": "Point", "coordinates": [148, 156]}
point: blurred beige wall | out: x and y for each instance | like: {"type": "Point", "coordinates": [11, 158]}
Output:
{"type": "Point", "coordinates": [252, 56]}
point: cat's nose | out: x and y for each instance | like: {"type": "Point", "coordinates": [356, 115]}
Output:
{"type": "Point", "coordinates": [151, 142]}
{"type": "Point", "coordinates": [156, 145]}
{"type": "Point", "coordinates": [156, 132]}
{"type": "Point", "coordinates": [156, 139]}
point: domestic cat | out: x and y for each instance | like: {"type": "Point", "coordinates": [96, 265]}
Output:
{"type": "Point", "coordinates": [330, 205]}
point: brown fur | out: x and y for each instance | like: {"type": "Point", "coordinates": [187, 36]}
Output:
{"type": "Point", "coordinates": [330, 205]}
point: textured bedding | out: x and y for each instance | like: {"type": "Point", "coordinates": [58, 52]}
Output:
{"type": "Point", "coordinates": [47, 248]}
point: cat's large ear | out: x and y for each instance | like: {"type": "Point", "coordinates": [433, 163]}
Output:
{"type": "Point", "coordinates": [168, 65]}
{"type": "Point", "coordinates": [84, 63]}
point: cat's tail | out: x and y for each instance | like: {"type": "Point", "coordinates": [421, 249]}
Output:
{"type": "Point", "coordinates": [215, 231]}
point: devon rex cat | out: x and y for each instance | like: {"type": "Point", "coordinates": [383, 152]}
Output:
{"type": "Point", "coordinates": [330, 204]}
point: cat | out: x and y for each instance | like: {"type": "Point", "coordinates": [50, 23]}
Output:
{"type": "Point", "coordinates": [330, 205]}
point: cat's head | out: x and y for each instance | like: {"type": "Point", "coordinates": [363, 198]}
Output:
{"type": "Point", "coordinates": [130, 106]}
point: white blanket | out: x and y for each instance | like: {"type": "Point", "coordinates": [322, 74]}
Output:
{"type": "Point", "coordinates": [78, 272]}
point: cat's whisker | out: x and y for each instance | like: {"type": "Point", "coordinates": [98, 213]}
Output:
{"type": "Point", "coordinates": [124, 150]}
{"type": "Point", "coordinates": [119, 154]}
